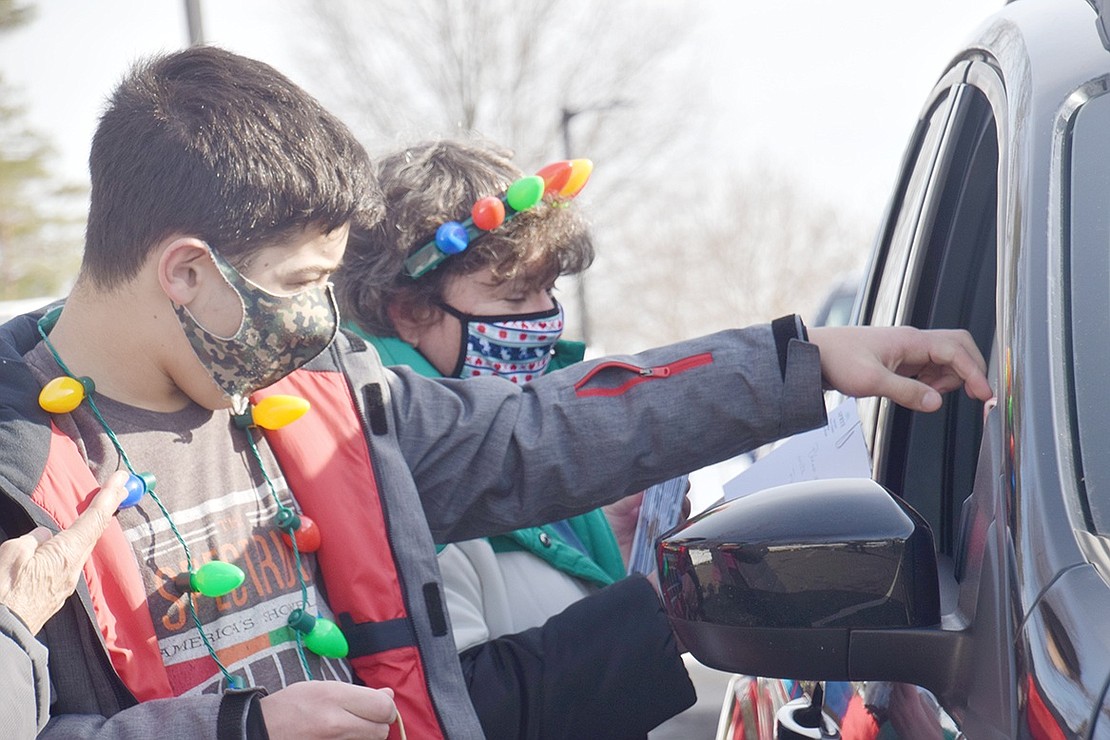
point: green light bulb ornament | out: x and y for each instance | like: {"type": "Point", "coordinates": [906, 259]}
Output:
{"type": "Point", "coordinates": [320, 635]}
{"type": "Point", "coordinates": [215, 578]}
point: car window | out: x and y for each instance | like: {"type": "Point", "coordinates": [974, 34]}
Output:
{"type": "Point", "coordinates": [1088, 247]}
{"type": "Point", "coordinates": [884, 289]}
{"type": "Point", "coordinates": [948, 281]}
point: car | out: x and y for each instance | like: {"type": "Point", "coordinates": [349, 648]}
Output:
{"type": "Point", "coordinates": [962, 590]}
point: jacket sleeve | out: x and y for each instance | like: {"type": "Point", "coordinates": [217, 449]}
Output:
{"type": "Point", "coordinates": [234, 715]}
{"type": "Point", "coordinates": [24, 685]}
{"type": "Point", "coordinates": [607, 666]}
{"type": "Point", "coordinates": [589, 434]}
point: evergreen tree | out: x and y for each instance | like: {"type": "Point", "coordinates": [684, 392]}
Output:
{"type": "Point", "coordinates": [39, 236]}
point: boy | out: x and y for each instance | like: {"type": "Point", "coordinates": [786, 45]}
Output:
{"type": "Point", "coordinates": [497, 589]}
{"type": "Point", "coordinates": [201, 323]}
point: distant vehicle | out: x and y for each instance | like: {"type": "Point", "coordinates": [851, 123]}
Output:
{"type": "Point", "coordinates": [963, 592]}
{"type": "Point", "coordinates": [836, 308]}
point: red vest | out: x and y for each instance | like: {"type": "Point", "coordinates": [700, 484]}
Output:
{"type": "Point", "coordinates": [326, 461]}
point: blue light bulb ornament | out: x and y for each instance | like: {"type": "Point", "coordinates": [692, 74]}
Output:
{"type": "Point", "coordinates": [137, 486]}
{"type": "Point", "coordinates": [452, 237]}
{"type": "Point", "coordinates": [320, 635]}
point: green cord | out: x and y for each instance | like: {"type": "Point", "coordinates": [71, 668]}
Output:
{"type": "Point", "coordinates": [173, 527]}
{"type": "Point", "coordinates": [296, 549]}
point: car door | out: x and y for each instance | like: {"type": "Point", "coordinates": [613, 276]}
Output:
{"type": "Point", "coordinates": [935, 267]}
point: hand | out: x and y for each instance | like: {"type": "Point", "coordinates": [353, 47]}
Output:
{"type": "Point", "coordinates": [623, 514]}
{"type": "Point", "coordinates": [38, 571]}
{"type": "Point", "coordinates": [910, 366]}
{"type": "Point", "coordinates": [328, 709]}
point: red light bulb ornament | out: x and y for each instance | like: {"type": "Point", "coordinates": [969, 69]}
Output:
{"type": "Point", "coordinates": [320, 635]}
{"type": "Point", "coordinates": [300, 527]}
{"type": "Point", "coordinates": [488, 213]}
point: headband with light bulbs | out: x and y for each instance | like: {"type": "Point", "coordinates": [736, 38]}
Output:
{"type": "Point", "coordinates": [558, 182]}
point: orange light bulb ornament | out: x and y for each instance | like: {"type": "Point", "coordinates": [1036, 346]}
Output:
{"type": "Point", "coordinates": [555, 176]}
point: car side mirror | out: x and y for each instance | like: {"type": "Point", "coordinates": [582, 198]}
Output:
{"type": "Point", "coordinates": [807, 581]}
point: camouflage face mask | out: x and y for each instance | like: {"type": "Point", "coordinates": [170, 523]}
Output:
{"type": "Point", "coordinates": [277, 335]}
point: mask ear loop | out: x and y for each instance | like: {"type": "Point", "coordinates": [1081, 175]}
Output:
{"type": "Point", "coordinates": [464, 337]}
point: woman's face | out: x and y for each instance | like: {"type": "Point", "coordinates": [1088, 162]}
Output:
{"type": "Point", "coordinates": [477, 294]}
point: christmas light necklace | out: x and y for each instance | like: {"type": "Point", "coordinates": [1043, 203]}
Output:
{"type": "Point", "coordinates": [215, 578]}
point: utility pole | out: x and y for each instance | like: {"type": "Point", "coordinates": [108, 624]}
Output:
{"type": "Point", "coordinates": [194, 23]}
{"type": "Point", "coordinates": [569, 114]}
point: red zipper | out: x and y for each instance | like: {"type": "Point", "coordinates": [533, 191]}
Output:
{"type": "Point", "coordinates": [642, 374]}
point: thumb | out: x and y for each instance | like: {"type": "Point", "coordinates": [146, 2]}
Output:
{"type": "Point", "coordinates": [913, 394]}
{"type": "Point", "coordinates": [82, 535]}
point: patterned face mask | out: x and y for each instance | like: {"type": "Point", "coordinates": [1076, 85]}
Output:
{"type": "Point", "coordinates": [277, 335]}
{"type": "Point", "coordinates": [515, 347]}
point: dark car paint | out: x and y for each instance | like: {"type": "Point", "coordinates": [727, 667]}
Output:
{"type": "Point", "coordinates": [1027, 585]}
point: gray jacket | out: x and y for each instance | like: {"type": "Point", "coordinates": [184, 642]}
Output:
{"type": "Point", "coordinates": [454, 460]}
{"type": "Point", "coordinates": [24, 690]}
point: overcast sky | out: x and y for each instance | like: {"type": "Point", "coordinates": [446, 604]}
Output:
{"type": "Point", "coordinates": [827, 90]}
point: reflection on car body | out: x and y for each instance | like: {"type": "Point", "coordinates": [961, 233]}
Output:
{"type": "Point", "coordinates": [998, 224]}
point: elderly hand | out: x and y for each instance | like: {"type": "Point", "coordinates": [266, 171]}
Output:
{"type": "Point", "coordinates": [912, 367]}
{"type": "Point", "coordinates": [39, 571]}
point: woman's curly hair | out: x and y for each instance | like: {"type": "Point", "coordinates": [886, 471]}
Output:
{"type": "Point", "coordinates": [437, 181]}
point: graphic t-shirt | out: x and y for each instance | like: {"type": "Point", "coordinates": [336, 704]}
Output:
{"type": "Point", "coordinates": [209, 482]}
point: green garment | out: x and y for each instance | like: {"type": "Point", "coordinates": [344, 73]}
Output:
{"type": "Point", "coordinates": [603, 564]}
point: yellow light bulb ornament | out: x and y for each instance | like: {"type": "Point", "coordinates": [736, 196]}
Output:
{"type": "Point", "coordinates": [274, 412]}
{"type": "Point", "coordinates": [580, 171]}
{"type": "Point", "coordinates": [63, 394]}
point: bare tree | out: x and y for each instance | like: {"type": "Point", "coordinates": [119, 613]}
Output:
{"type": "Point", "coordinates": [616, 76]}
{"type": "Point", "coordinates": [753, 247]}
{"type": "Point", "coordinates": [625, 83]}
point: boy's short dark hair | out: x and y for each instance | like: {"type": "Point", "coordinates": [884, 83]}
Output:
{"type": "Point", "coordinates": [437, 181]}
{"type": "Point", "coordinates": [207, 143]}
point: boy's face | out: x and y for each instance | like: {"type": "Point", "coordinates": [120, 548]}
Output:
{"type": "Point", "coordinates": [305, 261]}
{"type": "Point", "coordinates": [477, 293]}
{"type": "Point", "coordinates": [254, 324]}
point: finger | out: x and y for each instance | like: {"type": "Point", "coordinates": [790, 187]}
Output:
{"type": "Point", "coordinates": [912, 394]}
{"type": "Point", "coordinates": [81, 536]}
{"type": "Point", "coordinates": [966, 361]}
{"type": "Point", "coordinates": [374, 705]}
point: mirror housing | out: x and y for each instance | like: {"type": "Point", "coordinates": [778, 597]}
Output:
{"type": "Point", "coordinates": [820, 580]}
